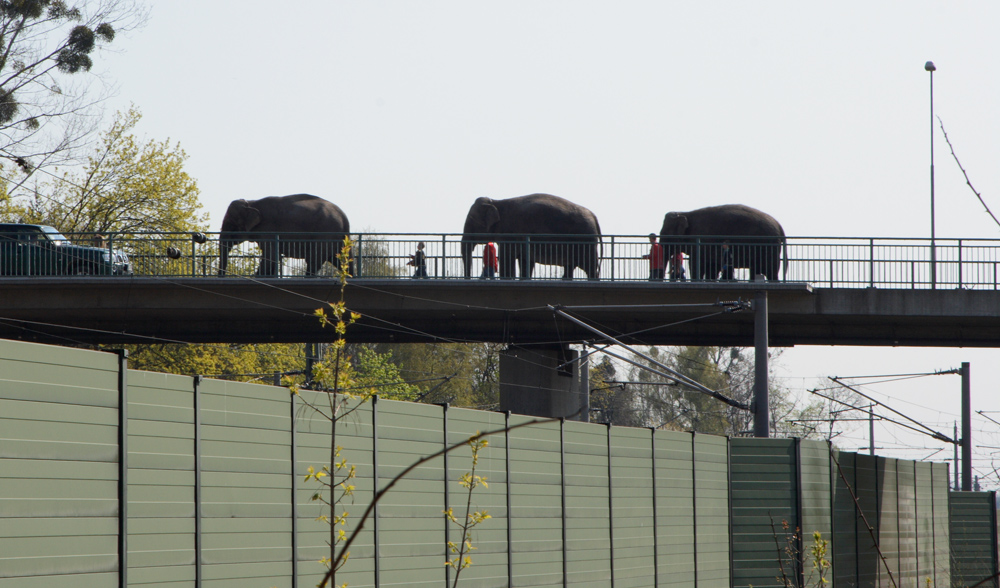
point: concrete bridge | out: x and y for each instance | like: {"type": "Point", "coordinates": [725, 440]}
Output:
{"type": "Point", "coordinates": [117, 310]}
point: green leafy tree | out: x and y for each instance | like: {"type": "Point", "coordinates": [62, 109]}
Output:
{"type": "Point", "coordinates": [48, 97]}
{"type": "Point", "coordinates": [247, 363]}
{"type": "Point", "coordinates": [377, 372]}
{"type": "Point", "coordinates": [648, 399]}
{"type": "Point", "coordinates": [461, 374]}
{"type": "Point", "coordinates": [125, 186]}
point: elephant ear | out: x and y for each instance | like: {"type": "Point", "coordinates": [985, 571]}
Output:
{"type": "Point", "coordinates": [483, 216]}
{"type": "Point", "coordinates": [251, 218]}
{"type": "Point", "coordinates": [682, 224]}
{"type": "Point", "coordinates": [491, 216]}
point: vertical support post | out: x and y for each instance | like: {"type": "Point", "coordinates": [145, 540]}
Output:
{"type": "Point", "coordinates": [800, 571]}
{"type": "Point", "coordinates": [444, 257]}
{"type": "Point", "coordinates": [694, 509]}
{"type": "Point", "coordinates": [761, 403]}
{"type": "Point", "coordinates": [611, 270]}
{"type": "Point", "coordinates": [510, 516]}
{"type": "Point", "coordinates": [447, 496]}
{"type": "Point", "coordinates": [957, 484]}
{"type": "Point", "coordinates": [584, 369]}
{"type": "Point", "coordinates": [929, 66]}
{"type": "Point", "coordinates": [295, 487]}
{"type": "Point", "coordinates": [993, 539]}
{"type": "Point", "coordinates": [375, 512]}
{"type": "Point", "coordinates": [359, 258]}
{"type": "Point", "coordinates": [198, 531]}
{"type": "Point", "coordinates": [122, 468]}
{"type": "Point", "coordinates": [966, 428]}
{"type": "Point", "coordinates": [656, 543]}
{"type": "Point", "coordinates": [611, 512]}
{"type": "Point", "coordinates": [871, 430]}
{"type": "Point", "coordinates": [562, 498]}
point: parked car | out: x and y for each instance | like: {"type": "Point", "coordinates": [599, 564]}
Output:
{"type": "Point", "coordinates": [39, 250]}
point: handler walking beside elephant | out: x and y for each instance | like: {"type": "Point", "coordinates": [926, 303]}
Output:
{"type": "Point", "coordinates": [655, 257]}
{"type": "Point", "coordinates": [489, 261]}
{"type": "Point", "coordinates": [419, 261]}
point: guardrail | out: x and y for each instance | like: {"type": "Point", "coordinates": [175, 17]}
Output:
{"type": "Point", "coordinates": [828, 262]}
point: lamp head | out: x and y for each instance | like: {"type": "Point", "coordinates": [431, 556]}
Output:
{"type": "Point", "coordinates": [929, 66]}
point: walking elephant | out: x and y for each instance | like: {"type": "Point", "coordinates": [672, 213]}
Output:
{"type": "Point", "coordinates": [538, 228]}
{"type": "Point", "coordinates": [299, 226]}
{"type": "Point", "coordinates": [720, 238]}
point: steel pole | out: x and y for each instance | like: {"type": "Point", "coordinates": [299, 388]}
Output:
{"type": "Point", "coordinates": [929, 66]}
{"type": "Point", "coordinates": [761, 412]}
{"type": "Point", "coordinates": [871, 430]}
{"type": "Point", "coordinates": [966, 429]}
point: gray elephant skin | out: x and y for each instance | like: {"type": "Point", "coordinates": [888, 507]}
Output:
{"type": "Point", "coordinates": [300, 226]}
{"type": "Point", "coordinates": [538, 228]}
{"type": "Point", "coordinates": [755, 240]}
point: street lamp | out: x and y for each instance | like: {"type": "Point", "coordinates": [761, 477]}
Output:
{"type": "Point", "coordinates": [929, 66]}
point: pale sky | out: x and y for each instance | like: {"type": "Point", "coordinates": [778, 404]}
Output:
{"type": "Point", "coordinates": [404, 112]}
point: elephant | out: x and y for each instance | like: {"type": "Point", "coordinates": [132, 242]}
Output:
{"type": "Point", "coordinates": [300, 226]}
{"type": "Point", "coordinates": [537, 228]}
{"type": "Point", "coordinates": [720, 238]}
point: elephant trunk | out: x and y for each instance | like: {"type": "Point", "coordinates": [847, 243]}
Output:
{"type": "Point", "coordinates": [467, 245]}
{"type": "Point", "coordinates": [225, 246]}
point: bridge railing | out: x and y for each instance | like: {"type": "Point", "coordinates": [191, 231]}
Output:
{"type": "Point", "coordinates": [822, 261]}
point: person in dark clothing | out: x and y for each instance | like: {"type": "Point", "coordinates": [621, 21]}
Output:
{"type": "Point", "coordinates": [419, 261]}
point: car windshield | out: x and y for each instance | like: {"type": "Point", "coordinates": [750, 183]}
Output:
{"type": "Point", "coordinates": [54, 236]}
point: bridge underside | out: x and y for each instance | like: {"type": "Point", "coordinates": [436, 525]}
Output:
{"type": "Point", "coordinates": [235, 310]}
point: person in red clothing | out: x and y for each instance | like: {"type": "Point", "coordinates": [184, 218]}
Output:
{"type": "Point", "coordinates": [490, 264]}
{"type": "Point", "coordinates": [655, 257]}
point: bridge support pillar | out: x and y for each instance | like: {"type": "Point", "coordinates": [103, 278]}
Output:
{"type": "Point", "coordinates": [532, 383]}
{"type": "Point", "coordinates": [761, 400]}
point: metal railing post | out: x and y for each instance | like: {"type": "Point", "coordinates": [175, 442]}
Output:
{"type": "Point", "coordinates": [959, 263]}
{"type": "Point", "coordinates": [871, 263]}
{"type": "Point", "coordinates": [611, 270]}
{"type": "Point", "coordinates": [444, 257]}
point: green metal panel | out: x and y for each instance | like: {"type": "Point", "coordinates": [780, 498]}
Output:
{"type": "Point", "coordinates": [868, 493]}
{"type": "Point", "coordinates": [888, 515]}
{"type": "Point", "coordinates": [973, 537]}
{"type": "Point", "coordinates": [411, 520]}
{"type": "Point", "coordinates": [942, 528]}
{"type": "Point", "coordinates": [314, 437]}
{"type": "Point", "coordinates": [711, 465]}
{"type": "Point", "coordinates": [247, 524]}
{"type": "Point", "coordinates": [632, 506]}
{"type": "Point", "coordinates": [489, 559]}
{"type": "Point", "coordinates": [924, 498]}
{"type": "Point", "coordinates": [536, 511]}
{"type": "Point", "coordinates": [906, 509]}
{"type": "Point", "coordinates": [817, 517]}
{"type": "Point", "coordinates": [588, 539]}
{"type": "Point", "coordinates": [846, 520]}
{"type": "Point", "coordinates": [161, 479]}
{"type": "Point", "coordinates": [58, 459]}
{"type": "Point", "coordinates": [675, 508]}
{"type": "Point", "coordinates": [765, 488]}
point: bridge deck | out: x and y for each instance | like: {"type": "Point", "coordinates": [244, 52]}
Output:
{"type": "Point", "coordinates": [146, 309]}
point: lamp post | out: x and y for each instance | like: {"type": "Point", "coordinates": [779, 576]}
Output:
{"type": "Point", "coordinates": [929, 66]}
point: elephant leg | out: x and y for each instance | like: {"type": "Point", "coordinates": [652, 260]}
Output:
{"type": "Point", "coordinates": [568, 268]}
{"type": "Point", "coordinates": [527, 268]}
